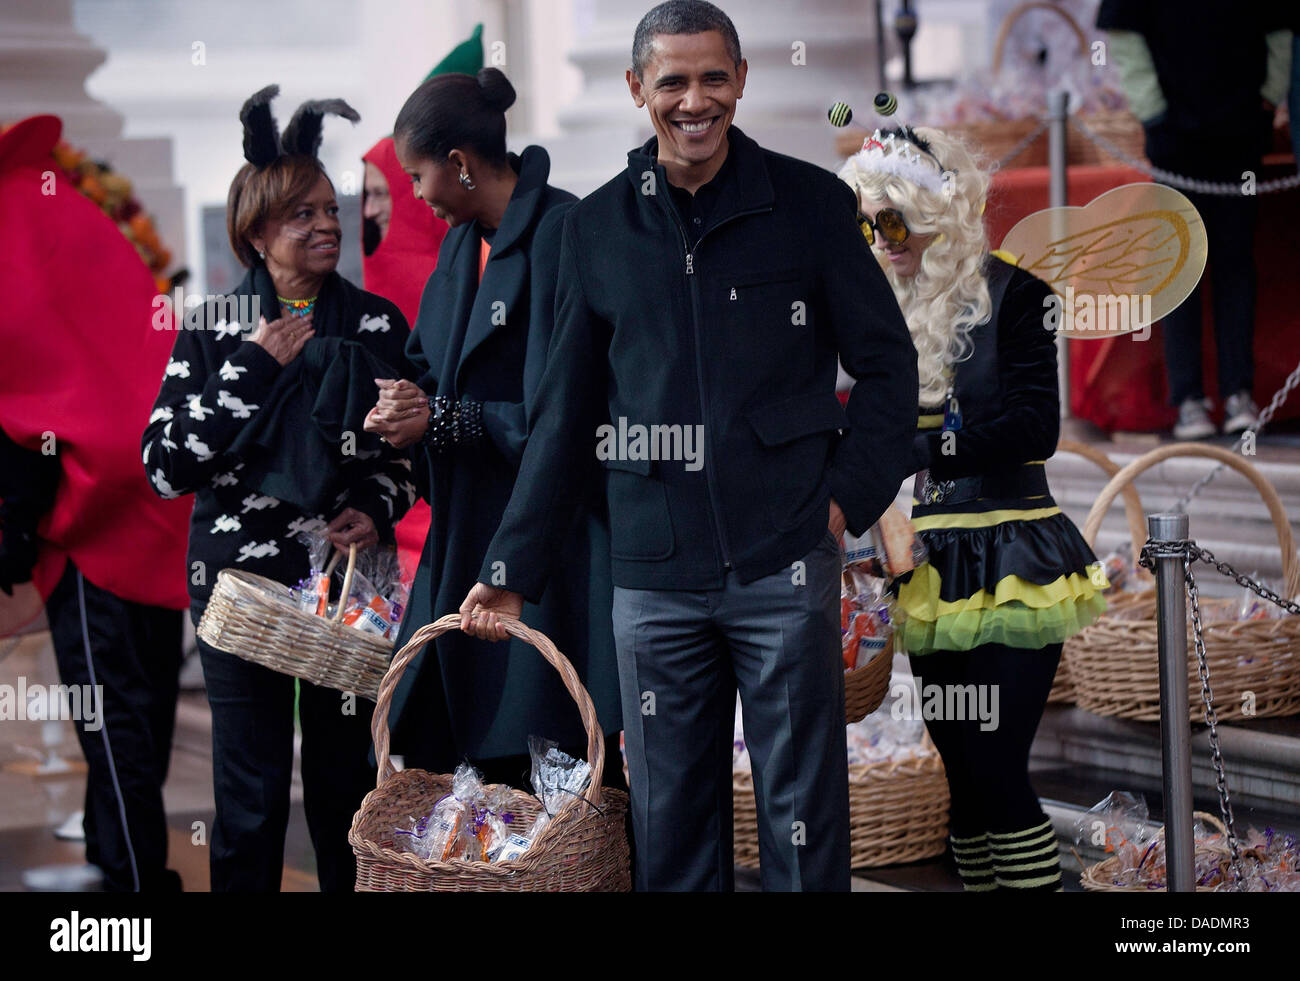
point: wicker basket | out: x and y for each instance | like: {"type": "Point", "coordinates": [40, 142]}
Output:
{"type": "Point", "coordinates": [865, 687]}
{"type": "Point", "coordinates": [1101, 876]}
{"type": "Point", "coordinates": [258, 619]}
{"type": "Point", "coordinates": [1120, 127]}
{"type": "Point", "coordinates": [898, 812]}
{"type": "Point", "coordinates": [998, 138]}
{"type": "Point", "coordinates": [583, 849]}
{"type": "Point", "coordinates": [1063, 686]}
{"type": "Point", "coordinates": [1114, 665]}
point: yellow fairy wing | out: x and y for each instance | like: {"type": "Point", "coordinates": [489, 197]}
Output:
{"type": "Point", "coordinates": [1120, 263]}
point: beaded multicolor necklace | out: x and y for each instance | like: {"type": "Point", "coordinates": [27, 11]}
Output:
{"type": "Point", "coordinates": [299, 308]}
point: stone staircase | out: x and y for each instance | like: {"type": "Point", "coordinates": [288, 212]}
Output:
{"type": "Point", "coordinates": [1228, 517]}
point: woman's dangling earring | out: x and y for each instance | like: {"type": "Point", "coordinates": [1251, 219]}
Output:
{"type": "Point", "coordinates": [468, 184]}
{"type": "Point", "coordinates": [261, 255]}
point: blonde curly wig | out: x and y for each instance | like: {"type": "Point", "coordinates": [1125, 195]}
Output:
{"type": "Point", "coordinates": [948, 296]}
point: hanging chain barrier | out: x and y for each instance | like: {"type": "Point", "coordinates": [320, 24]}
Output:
{"type": "Point", "coordinates": [1190, 552]}
{"type": "Point", "coordinates": [1023, 145]}
{"type": "Point", "coordinates": [1225, 188]}
{"type": "Point", "coordinates": [1195, 184]}
{"type": "Point", "coordinates": [1279, 397]}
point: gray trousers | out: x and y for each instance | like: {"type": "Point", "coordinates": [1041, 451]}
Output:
{"type": "Point", "coordinates": [682, 656]}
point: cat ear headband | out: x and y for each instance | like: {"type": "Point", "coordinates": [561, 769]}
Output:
{"type": "Point", "coordinates": [264, 143]}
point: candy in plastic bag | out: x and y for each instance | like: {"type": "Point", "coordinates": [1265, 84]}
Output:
{"type": "Point", "coordinates": [493, 822]}
{"type": "Point", "coordinates": [452, 821]}
{"type": "Point", "coordinates": [1117, 825]}
{"type": "Point", "coordinates": [897, 544]}
{"type": "Point", "coordinates": [556, 776]}
{"type": "Point", "coordinates": [365, 609]}
{"type": "Point", "coordinates": [866, 610]}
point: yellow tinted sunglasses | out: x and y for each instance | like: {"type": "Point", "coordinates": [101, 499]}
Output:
{"type": "Point", "coordinates": [888, 222]}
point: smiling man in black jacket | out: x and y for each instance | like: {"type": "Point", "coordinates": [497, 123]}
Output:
{"type": "Point", "coordinates": [703, 298]}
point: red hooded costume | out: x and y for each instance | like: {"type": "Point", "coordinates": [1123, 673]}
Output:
{"type": "Point", "coordinates": [403, 261]}
{"type": "Point", "coordinates": [82, 362]}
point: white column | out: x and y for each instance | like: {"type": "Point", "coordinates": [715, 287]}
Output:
{"type": "Point", "coordinates": [44, 64]}
{"type": "Point", "coordinates": [803, 57]}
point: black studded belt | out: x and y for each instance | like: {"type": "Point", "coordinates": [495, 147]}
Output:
{"type": "Point", "coordinates": [1029, 480]}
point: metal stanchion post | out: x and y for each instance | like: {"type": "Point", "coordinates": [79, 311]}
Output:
{"type": "Point", "coordinates": [1058, 106]}
{"type": "Point", "coordinates": [1175, 729]}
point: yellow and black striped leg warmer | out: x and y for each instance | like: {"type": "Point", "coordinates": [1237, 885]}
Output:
{"type": "Point", "coordinates": [974, 863]}
{"type": "Point", "coordinates": [1027, 859]}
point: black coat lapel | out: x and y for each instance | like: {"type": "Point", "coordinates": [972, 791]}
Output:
{"type": "Point", "coordinates": [451, 316]}
{"type": "Point", "coordinates": [506, 272]}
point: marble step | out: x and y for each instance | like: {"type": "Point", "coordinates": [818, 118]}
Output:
{"type": "Point", "coordinates": [1228, 516]}
{"type": "Point", "coordinates": [1261, 762]}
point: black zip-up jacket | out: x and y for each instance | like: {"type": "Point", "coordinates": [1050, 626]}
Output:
{"type": "Point", "coordinates": [739, 336]}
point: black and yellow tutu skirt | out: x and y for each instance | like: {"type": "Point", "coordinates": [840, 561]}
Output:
{"type": "Point", "coordinates": [1009, 570]}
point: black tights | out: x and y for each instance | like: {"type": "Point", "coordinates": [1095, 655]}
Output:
{"type": "Point", "coordinates": [1000, 835]}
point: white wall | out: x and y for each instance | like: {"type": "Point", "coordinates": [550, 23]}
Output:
{"type": "Point", "coordinates": [183, 70]}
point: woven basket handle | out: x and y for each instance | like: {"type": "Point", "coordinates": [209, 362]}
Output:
{"type": "Point", "coordinates": [347, 577]}
{"type": "Point", "coordinates": [595, 738]}
{"type": "Point", "coordinates": [1132, 502]}
{"type": "Point", "coordinates": [1207, 818]}
{"type": "Point", "coordinates": [1013, 15]}
{"type": "Point", "coordinates": [1285, 539]}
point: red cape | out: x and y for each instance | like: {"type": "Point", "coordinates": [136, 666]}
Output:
{"type": "Point", "coordinates": [398, 269]}
{"type": "Point", "coordinates": [402, 263]}
{"type": "Point", "coordinates": [83, 362]}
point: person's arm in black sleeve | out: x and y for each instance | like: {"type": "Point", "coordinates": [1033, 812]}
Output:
{"type": "Point", "coordinates": [418, 365]}
{"type": "Point", "coordinates": [385, 490]}
{"type": "Point", "coordinates": [570, 403]}
{"type": "Point", "coordinates": [1029, 424]}
{"type": "Point", "coordinates": [210, 389]}
{"type": "Point", "coordinates": [386, 493]}
{"type": "Point", "coordinates": [506, 423]}
{"type": "Point", "coordinates": [415, 356]}
{"type": "Point", "coordinates": [874, 456]}
{"type": "Point", "coordinates": [28, 480]}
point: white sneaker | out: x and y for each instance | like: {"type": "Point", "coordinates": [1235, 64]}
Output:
{"type": "Point", "coordinates": [1194, 420]}
{"type": "Point", "coordinates": [73, 829]}
{"type": "Point", "coordinates": [64, 878]}
{"type": "Point", "coordinates": [1240, 413]}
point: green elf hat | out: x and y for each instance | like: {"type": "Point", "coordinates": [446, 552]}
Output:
{"type": "Point", "coordinates": [466, 57]}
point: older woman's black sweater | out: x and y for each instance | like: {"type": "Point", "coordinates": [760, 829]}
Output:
{"type": "Point", "coordinates": [216, 382]}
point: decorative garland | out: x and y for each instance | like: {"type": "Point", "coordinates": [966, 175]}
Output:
{"type": "Point", "coordinates": [111, 193]}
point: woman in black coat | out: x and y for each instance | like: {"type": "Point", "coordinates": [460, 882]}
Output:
{"type": "Point", "coordinates": [481, 340]}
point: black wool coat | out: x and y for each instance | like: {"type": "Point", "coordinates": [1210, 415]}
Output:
{"type": "Point", "coordinates": [738, 335]}
{"type": "Point", "coordinates": [488, 341]}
